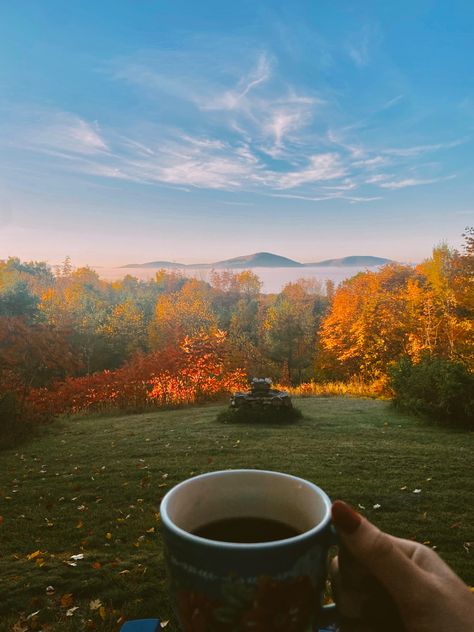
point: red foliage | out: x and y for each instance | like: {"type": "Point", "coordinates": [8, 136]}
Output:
{"type": "Point", "coordinates": [195, 371]}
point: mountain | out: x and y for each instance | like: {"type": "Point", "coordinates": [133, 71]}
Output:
{"type": "Point", "coordinates": [155, 264]}
{"type": "Point", "coordinates": [258, 260]}
{"type": "Point", "coordinates": [267, 260]}
{"type": "Point", "coordinates": [362, 261]}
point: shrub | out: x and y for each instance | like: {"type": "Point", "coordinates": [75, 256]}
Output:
{"type": "Point", "coordinates": [441, 389]}
{"type": "Point", "coordinates": [194, 372]}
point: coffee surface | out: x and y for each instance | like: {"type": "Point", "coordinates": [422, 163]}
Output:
{"type": "Point", "coordinates": [246, 530]}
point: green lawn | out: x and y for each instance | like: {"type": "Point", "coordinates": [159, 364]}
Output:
{"type": "Point", "coordinates": [92, 486]}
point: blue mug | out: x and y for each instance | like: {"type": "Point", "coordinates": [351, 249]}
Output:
{"type": "Point", "coordinates": [270, 586]}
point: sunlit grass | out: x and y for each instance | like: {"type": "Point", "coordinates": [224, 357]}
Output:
{"type": "Point", "coordinates": [351, 388]}
{"type": "Point", "coordinates": [92, 486]}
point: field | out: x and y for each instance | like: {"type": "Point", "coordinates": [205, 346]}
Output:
{"type": "Point", "coordinates": [91, 488]}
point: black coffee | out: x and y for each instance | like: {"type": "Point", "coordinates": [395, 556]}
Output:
{"type": "Point", "coordinates": [246, 530]}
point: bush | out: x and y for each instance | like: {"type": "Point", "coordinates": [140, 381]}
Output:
{"type": "Point", "coordinates": [441, 389]}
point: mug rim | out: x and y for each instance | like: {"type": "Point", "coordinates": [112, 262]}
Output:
{"type": "Point", "coordinates": [301, 537]}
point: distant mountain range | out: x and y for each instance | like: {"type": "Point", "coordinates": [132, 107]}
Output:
{"type": "Point", "coordinates": [268, 260]}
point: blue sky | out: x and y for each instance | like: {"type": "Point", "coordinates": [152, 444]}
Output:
{"type": "Point", "coordinates": [142, 130]}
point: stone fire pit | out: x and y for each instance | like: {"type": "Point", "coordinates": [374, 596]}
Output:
{"type": "Point", "coordinates": [261, 397]}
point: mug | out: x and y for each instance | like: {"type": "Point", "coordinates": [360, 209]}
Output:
{"type": "Point", "coordinates": [270, 586]}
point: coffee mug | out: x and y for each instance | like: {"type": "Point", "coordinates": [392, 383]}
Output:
{"type": "Point", "coordinates": [232, 586]}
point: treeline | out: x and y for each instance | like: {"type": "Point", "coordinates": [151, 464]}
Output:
{"type": "Point", "coordinates": [70, 325]}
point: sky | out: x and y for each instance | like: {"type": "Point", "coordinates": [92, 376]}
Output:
{"type": "Point", "coordinates": [141, 130]}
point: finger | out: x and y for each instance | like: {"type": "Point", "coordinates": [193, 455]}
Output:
{"type": "Point", "coordinates": [378, 551]}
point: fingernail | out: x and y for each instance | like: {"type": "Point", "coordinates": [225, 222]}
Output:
{"type": "Point", "coordinates": [344, 517]}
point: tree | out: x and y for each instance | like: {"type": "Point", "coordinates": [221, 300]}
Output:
{"type": "Point", "coordinates": [290, 329]}
{"type": "Point", "coordinates": [185, 313]}
{"type": "Point", "coordinates": [124, 330]}
{"type": "Point", "coordinates": [366, 326]}
{"type": "Point", "coordinates": [17, 300]}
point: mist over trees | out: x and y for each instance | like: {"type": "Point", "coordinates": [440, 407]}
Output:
{"type": "Point", "coordinates": [68, 324]}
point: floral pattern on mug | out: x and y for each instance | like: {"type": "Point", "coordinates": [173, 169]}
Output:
{"type": "Point", "coordinates": [269, 606]}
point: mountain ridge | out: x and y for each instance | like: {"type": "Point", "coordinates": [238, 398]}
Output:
{"type": "Point", "coordinates": [268, 260]}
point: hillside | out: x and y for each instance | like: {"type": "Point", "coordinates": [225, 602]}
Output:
{"type": "Point", "coordinates": [258, 260]}
{"type": "Point", "coordinates": [356, 261]}
{"type": "Point", "coordinates": [155, 264]}
{"type": "Point", "coordinates": [267, 260]}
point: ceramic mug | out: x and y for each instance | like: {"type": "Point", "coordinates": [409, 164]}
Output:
{"type": "Point", "coordinates": [272, 586]}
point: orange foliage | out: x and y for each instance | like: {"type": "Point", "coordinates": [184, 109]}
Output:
{"type": "Point", "coordinates": [195, 371]}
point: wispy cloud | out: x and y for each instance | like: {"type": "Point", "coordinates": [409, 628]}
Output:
{"type": "Point", "coordinates": [239, 127]}
{"type": "Point", "coordinates": [413, 182]}
{"type": "Point", "coordinates": [359, 47]}
{"type": "Point", "coordinates": [321, 167]}
{"type": "Point", "coordinates": [417, 150]}
{"type": "Point", "coordinates": [65, 132]}
{"type": "Point", "coordinates": [330, 196]}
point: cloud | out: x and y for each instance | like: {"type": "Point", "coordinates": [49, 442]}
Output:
{"type": "Point", "coordinates": [68, 133]}
{"type": "Point", "coordinates": [376, 161]}
{"type": "Point", "coordinates": [380, 177]}
{"type": "Point", "coordinates": [329, 196]}
{"type": "Point", "coordinates": [413, 182]}
{"type": "Point", "coordinates": [359, 47]}
{"type": "Point", "coordinates": [321, 167]}
{"type": "Point", "coordinates": [235, 98]}
{"type": "Point", "coordinates": [232, 123]}
{"type": "Point", "coordinates": [407, 152]}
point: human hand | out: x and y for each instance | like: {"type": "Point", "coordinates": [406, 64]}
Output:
{"type": "Point", "coordinates": [384, 583]}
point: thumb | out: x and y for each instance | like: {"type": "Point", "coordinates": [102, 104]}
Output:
{"type": "Point", "coordinates": [377, 551]}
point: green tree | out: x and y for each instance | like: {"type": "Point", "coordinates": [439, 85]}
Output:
{"type": "Point", "coordinates": [289, 330]}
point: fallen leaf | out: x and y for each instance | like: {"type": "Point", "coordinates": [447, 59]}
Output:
{"type": "Point", "coordinates": [102, 613]}
{"type": "Point", "coordinates": [34, 555]}
{"type": "Point", "coordinates": [163, 624]}
{"type": "Point", "coordinates": [95, 604]}
{"type": "Point", "coordinates": [50, 590]}
{"type": "Point", "coordinates": [417, 491]}
{"type": "Point", "coordinates": [33, 614]}
{"type": "Point", "coordinates": [108, 536]}
{"type": "Point", "coordinates": [67, 600]}
{"type": "Point", "coordinates": [71, 611]}
{"type": "Point", "coordinates": [79, 556]}
{"type": "Point", "coordinates": [124, 572]}
{"type": "Point", "coordinates": [79, 525]}
{"type": "Point", "coordinates": [39, 562]}
{"type": "Point", "coordinates": [152, 530]}
{"type": "Point", "coordinates": [96, 565]}
{"type": "Point", "coordinates": [377, 506]}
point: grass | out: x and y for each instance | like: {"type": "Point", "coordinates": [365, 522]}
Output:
{"type": "Point", "coordinates": [92, 486]}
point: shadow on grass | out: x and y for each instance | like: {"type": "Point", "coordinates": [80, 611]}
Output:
{"type": "Point", "coordinates": [252, 416]}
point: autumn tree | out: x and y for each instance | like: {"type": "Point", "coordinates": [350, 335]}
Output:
{"type": "Point", "coordinates": [289, 330]}
{"type": "Point", "coordinates": [366, 326]}
{"type": "Point", "coordinates": [125, 331]}
{"type": "Point", "coordinates": [187, 312]}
